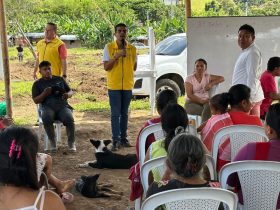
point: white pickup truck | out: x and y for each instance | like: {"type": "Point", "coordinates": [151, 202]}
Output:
{"type": "Point", "coordinates": [170, 65]}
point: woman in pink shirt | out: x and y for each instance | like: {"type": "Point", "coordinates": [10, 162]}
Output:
{"type": "Point", "coordinates": [197, 86]}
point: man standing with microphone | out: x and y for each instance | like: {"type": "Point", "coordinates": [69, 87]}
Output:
{"type": "Point", "coordinates": [120, 62]}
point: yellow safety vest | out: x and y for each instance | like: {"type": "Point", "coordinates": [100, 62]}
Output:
{"type": "Point", "coordinates": [49, 52]}
{"type": "Point", "coordinates": [121, 76]}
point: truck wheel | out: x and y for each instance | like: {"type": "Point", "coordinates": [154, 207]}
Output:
{"type": "Point", "coordinates": [167, 84]}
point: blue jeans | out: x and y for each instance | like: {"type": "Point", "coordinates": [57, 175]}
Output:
{"type": "Point", "coordinates": [119, 103]}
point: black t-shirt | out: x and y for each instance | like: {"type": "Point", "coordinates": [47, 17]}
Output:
{"type": "Point", "coordinates": [59, 87]}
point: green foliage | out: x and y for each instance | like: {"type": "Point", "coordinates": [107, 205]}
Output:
{"type": "Point", "coordinates": [222, 8]}
{"type": "Point", "coordinates": [93, 20]}
{"type": "Point", "coordinates": [271, 7]}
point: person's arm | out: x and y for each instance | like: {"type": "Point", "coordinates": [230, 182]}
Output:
{"type": "Point", "coordinates": [53, 201]}
{"type": "Point", "coordinates": [167, 174]}
{"type": "Point", "coordinates": [64, 68]}
{"type": "Point", "coordinates": [41, 97]}
{"type": "Point", "coordinates": [36, 68]}
{"type": "Point", "coordinates": [274, 96]}
{"type": "Point", "coordinates": [135, 66]}
{"type": "Point", "coordinates": [253, 70]}
{"type": "Point", "coordinates": [108, 65]}
{"type": "Point", "coordinates": [67, 95]}
{"type": "Point", "coordinates": [214, 80]}
{"type": "Point", "coordinates": [201, 126]}
{"type": "Point", "coordinates": [62, 50]}
{"type": "Point", "coordinates": [191, 96]}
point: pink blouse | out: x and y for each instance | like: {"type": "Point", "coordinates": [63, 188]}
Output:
{"type": "Point", "coordinates": [198, 88]}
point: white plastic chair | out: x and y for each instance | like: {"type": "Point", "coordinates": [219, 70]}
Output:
{"type": "Point", "coordinates": [57, 127]}
{"type": "Point", "coordinates": [192, 199]}
{"type": "Point", "coordinates": [260, 182]}
{"type": "Point", "coordinates": [211, 167]}
{"type": "Point", "coordinates": [155, 129]}
{"type": "Point", "coordinates": [213, 91]}
{"type": "Point", "coordinates": [158, 163]}
{"type": "Point", "coordinates": [239, 135]}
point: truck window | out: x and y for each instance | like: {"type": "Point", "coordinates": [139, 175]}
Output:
{"type": "Point", "coordinates": [173, 45]}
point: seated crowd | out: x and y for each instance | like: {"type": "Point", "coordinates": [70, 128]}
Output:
{"type": "Point", "coordinates": [185, 153]}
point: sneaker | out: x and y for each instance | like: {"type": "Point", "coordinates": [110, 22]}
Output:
{"type": "Point", "coordinates": [125, 143]}
{"type": "Point", "coordinates": [72, 148]}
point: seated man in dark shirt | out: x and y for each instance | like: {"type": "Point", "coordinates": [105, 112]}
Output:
{"type": "Point", "coordinates": [52, 92]}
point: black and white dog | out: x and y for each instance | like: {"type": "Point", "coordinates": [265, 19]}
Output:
{"type": "Point", "coordinates": [107, 159]}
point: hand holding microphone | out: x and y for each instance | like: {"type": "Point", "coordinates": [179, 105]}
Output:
{"type": "Point", "coordinates": [124, 47]}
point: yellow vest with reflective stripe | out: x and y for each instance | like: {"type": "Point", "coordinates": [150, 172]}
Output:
{"type": "Point", "coordinates": [49, 52]}
{"type": "Point", "coordinates": [121, 76]}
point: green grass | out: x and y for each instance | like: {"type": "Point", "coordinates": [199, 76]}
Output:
{"type": "Point", "coordinates": [19, 88]}
{"type": "Point", "coordinates": [13, 53]}
{"type": "Point", "coordinates": [140, 104]}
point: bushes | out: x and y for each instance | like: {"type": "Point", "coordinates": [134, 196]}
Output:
{"type": "Point", "coordinates": [93, 20]}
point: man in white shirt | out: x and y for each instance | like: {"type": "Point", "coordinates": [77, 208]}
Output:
{"type": "Point", "coordinates": [247, 69]}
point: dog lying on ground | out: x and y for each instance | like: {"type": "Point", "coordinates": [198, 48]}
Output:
{"type": "Point", "coordinates": [88, 187]}
{"type": "Point", "coordinates": [107, 159]}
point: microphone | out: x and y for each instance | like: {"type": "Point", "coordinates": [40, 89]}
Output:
{"type": "Point", "coordinates": [123, 45]}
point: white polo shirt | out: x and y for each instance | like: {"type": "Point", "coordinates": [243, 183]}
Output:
{"type": "Point", "coordinates": [248, 70]}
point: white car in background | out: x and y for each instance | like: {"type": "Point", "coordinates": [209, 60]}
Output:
{"type": "Point", "coordinates": [170, 65]}
{"type": "Point", "coordinates": [140, 45]}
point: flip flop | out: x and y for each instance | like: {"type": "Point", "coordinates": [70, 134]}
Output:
{"type": "Point", "coordinates": [67, 197]}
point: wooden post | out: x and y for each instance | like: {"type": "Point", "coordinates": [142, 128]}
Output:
{"type": "Point", "coordinates": [188, 8]}
{"type": "Point", "coordinates": [5, 55]}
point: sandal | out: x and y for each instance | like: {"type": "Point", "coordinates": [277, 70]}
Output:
{"type": "Point", "coordinates": [67, 197]}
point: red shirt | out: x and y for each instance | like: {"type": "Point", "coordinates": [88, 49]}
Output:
{"type": "Point", "coordinates": [268, 85]}
{"type": "Point", "coordinates": [242, 118]}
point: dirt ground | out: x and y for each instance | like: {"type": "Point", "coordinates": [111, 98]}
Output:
{"type": "Point", "coordinates": [88, 125]}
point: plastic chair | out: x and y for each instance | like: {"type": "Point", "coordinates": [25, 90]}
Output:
{"type": "Point", "coordinates": [44, 180]}
{"type": "Point", "coordinates": [211, 167]}
{"type": "Point", "coordinates": [155, 129]}
{"type": "Point", "coordinates": [156, 163]}
{"type": "Point", "coordinates": [159, 164]}
{"type": "Point", "coordinates": [239, 135]}
{"type": "Point", "coordinates": [57, 127]}
{"type": "Point", "coordinates": [260, 182]}
{"type": "Point", "coordinates": [192, 199]}
{"type": "Point", "coordinates": [213, 91]}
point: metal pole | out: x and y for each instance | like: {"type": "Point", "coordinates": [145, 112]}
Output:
{"type": "Point", "coordinates": [5, 57]}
